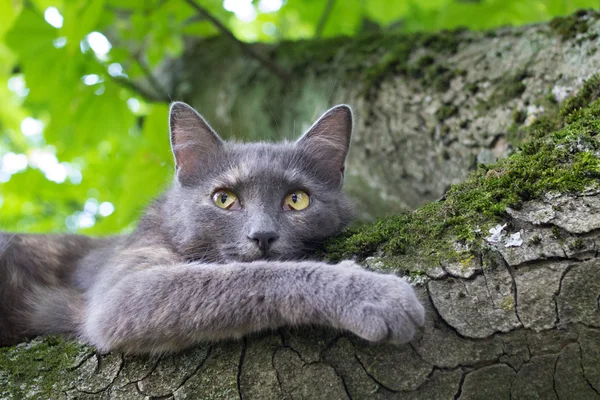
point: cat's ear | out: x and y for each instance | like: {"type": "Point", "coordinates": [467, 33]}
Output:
{"type": "Point", "coordinates": [329, 137]}
{"type": "Point", "coordinates": [192, 141]}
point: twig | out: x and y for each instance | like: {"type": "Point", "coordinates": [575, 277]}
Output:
{"type": "Point", "coordinates": [193, 19]}
{"type": "Point", "coordinates": [145, 93]}
{"type": "Point", "coordinates": [155, 91]}
{"type": "Point", "coordinates": [324, 18]}
{"type": "Point", "coordinates": [160, 90]}
{"type": "Point", "coordinates": [247, 49]}
{"type": "Point", "coordinates": [273, 114]}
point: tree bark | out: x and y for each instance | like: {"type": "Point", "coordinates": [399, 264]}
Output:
{"type": "Point", "coordinates": [520, 319]}
{"type": "Point", "coordinates": [521, 322]}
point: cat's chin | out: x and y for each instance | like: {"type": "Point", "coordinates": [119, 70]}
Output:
{"type": "Point", "coordinates": [249, 254]}
{"type": "Point", "coordinates": [254, 256]}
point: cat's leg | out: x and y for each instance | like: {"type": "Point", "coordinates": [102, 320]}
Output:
{"type": "Point", "coordinates": [169, 308]}
{"type": "Point", "coordinates": [36, 292]}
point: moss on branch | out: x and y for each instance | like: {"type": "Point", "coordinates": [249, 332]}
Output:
{"type": "Point", "coordinates": [37, 368]}
{"type": "Point", "coordinates": [561, 153]}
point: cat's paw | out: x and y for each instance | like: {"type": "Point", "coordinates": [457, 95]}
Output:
{"type": "Point", "coordinates": [383, 308]}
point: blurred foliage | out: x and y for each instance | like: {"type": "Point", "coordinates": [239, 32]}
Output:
{"type": "Point", "coordinates": [80, 150]}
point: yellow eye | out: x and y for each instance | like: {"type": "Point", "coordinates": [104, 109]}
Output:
{"type": "Point", "coordinates": [226, 200]}
{"type": "Point", "coordinates": [296, 201]}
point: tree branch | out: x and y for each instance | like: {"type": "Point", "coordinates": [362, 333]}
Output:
{"type": "Point", "coordinates": [271, 66]}
{"type": "Point", "coordinates": [324, 18]}
{"type": "Point", "coordinates": [158, 88]}
{"type": "Point", "coordinates": [145, 93]}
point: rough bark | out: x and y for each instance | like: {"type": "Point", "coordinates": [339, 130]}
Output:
{"type": "Point", "coordinates": [519, 319]}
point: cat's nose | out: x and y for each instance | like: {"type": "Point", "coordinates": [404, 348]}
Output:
{"type": "Point", "coordinates": [263, 239]}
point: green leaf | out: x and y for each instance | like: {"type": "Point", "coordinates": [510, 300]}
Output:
{"type": "Point", "coordinates": [80, 18]}
{"type": "Point", "coordinates": [148, 170]}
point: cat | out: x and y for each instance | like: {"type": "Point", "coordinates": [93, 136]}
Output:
{"type": "Point", "coordinates": [221, 254]}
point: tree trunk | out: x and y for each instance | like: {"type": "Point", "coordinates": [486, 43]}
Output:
{"type": "Point", "coordinates": [513, 314]}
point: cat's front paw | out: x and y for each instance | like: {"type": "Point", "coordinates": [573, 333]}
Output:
{"type": "Point", "coordinates": [382, 308]}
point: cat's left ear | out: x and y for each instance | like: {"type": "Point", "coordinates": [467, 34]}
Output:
{"type": "Point", "coordinates": [193, 142]}
{"type": "Point", "coordinates": [329, 137]}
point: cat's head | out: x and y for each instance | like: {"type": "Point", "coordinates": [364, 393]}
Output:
{"type": "Point", "coordinates": [249, 201]}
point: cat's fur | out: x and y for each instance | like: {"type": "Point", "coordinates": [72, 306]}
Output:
{"type": "Point", "coordinates": [192, 271]}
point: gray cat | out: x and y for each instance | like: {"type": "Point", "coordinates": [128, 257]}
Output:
{"type": "Point", "coordinates": [212, 258]}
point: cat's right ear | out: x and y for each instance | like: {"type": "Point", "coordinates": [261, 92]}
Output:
{"type": "Point", "coordinates": [192, 141]}
{"type": "Point", "coordinates": [329, 138]}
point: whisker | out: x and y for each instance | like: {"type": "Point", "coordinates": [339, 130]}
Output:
{"type": "Point", "coordinates": [274, 119]}
{"type": "Point", "coordinates": [331, 91]}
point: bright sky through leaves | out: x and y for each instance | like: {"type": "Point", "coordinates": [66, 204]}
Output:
{"type": "Point", "coordinates": [53, 17]}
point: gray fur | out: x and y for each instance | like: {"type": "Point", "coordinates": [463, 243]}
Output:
{"type": "Point", "coordinates": [192, 271]}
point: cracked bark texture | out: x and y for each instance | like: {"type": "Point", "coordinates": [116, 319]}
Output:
{"type": "Point", "coordinates": [523, 322]}
{"type": "Point", "coordinates": [516, 322]}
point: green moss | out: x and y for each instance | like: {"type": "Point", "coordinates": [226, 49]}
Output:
{"type": "Point", "coordinates": [36, 369]}
{"type": "Point", "coordinates": [569, 27]}
{"type": "Point", "coordinates": [311, 52]}
{"type": "Point", "coordinates": [446, 111]}
{"type": "Point", "coordinates": [555, 158]}
{"type": "Point", "coordinates": [508, 303]}
{"type": "Point", "coordinates": [442, 42]}
{"type": "Point", "coordinates": [431, 74]}
{"type": "Point", "coordinates": [509, 88]}
{"type": "Point", "coordinates": [395, 59]}
{"type": "Point", "coordinates": [438, 77]}
{"type": "Point", "coordinates": [587, 94]}
{"type": "Point", "coordinates": [417, 71]}
{"type": "Point", "coordinates": [549, 121]}
{"type": "Point", "coordinates": [541, 126]}
{"type": "Point", "coordinates": [577, 244]}
{"type": "Point", "coordinates": [515, 135]}
{"type": "Point", "coordinates": [519, 116]}
{"type": "Point", "coordinates": [472, 88]}
{"type": "Point", "coordinates": [556, 232]}
{"type": "Point", "coordinates": [467, 261]}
